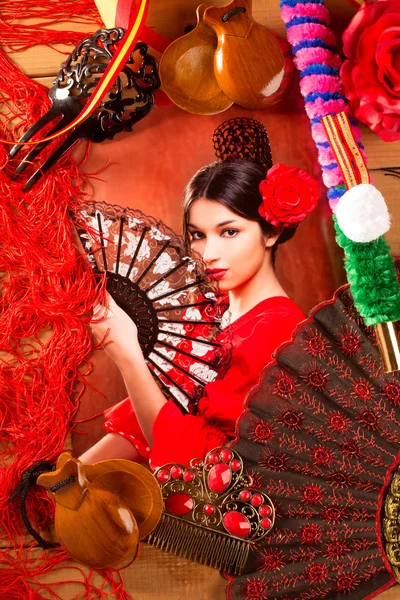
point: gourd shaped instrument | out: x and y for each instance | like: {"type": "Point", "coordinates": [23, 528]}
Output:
{"type": "Point", "coordinates": [187, 71]}
{"type": "Point", "coordinates": [102, 510]}
{"type": "Point", "coordinates": [252, 65]}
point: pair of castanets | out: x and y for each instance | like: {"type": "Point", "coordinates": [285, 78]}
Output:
{"type": "Point", "coordinates": [227, 58]}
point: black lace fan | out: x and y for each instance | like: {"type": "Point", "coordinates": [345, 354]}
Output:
{"type": "Point", "coordinates": [321, 437]}
{"type": "Point", "coordinates": [177, 309]}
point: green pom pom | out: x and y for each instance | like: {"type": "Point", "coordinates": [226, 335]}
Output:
{"type": "Point", "coordinates": [372, 277]}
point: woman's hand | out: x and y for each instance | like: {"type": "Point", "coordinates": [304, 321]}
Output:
{"type": "Point", "coordinates": [116, 330]}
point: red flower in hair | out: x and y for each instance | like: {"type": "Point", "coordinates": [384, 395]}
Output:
{"type": "Point", "coordinates": [288, 194]}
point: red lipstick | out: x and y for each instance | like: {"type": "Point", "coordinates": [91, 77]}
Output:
{"type": "Point", "coordinates": [216, 273]}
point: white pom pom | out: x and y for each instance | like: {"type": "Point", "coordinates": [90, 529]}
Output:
{"type": "Point", "coordinates": [362, 213]}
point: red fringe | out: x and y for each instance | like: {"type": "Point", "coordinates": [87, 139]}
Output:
{"type": "Point", "coordinates": [47, 291]}
{"type": "Point", "coordinates": [16, 36]}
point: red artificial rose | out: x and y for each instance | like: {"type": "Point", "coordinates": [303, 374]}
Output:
{"type": "Point", "coordinates": [371, 76]}
{"type": "Point", "coordinates": [288, 194]}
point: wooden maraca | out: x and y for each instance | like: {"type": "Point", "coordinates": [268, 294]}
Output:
{"type": "Point", "coordinates": [102, 510]}
{"type": "Point", "coordinates": [252, 65]}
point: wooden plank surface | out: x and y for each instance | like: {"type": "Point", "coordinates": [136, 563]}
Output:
{"type": "Point", "coordinates": [157, 575]}
{"type": "Point", "coordinates": [170, 18]}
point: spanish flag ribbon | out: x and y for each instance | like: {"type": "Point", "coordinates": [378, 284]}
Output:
{"type": "Point", "coordinates": [345, 149]}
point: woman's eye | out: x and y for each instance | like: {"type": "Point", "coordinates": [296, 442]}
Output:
{"type": "Point", "coordinates": [196, 235]}
{"type": "Point", "coordinates": [229, 232]}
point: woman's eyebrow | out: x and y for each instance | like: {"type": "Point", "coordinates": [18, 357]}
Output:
{"type": "Point", "coordinates": [219, 224]}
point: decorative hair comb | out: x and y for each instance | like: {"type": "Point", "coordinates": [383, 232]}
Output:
{"type": "Point", "coordinates": [213, 513]}
{"type": "Point", "coordinates": [130, 99]}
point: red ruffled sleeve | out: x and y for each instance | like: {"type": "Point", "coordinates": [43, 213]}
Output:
{"type": "Point", "coordinates": [178, 437]}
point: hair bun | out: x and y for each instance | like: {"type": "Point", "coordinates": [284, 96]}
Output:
{"type": "Point", "coordinates": [243, 138]}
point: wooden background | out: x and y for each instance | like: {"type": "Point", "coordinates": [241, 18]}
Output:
{"type": "Point", "coordinates": [144, 172]}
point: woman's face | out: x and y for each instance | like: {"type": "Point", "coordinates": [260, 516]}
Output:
{"type": "Point", "coordinates": [233, 248]}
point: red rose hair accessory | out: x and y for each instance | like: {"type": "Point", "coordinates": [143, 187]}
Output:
{"type": "Point", "coordinates": [288, 194]}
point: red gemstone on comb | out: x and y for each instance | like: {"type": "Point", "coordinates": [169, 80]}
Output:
{"type": "Point", "coordinates": [226, 455]}
{"type": "Point", "coordinates": [219, 478]}
{"type": "Point", "coordinates": [176, 472]}
{"type": "Point", "coordinates": [265, 523]}
{"type": "Point", "coordinates": [162, 476]}
{"type": "Point", "coordinates": [179, 504]}
{"type": "Point", "coordinates": [236, 524]}
{"type": "Point", "coordinates": [188, 476]}
{"type": "Point", "coordinates": [257, 500]}
{"type": "Point", "coordinates": [213, 458]}
{"type": "Point", "coordinates": [245, 495]}
{"type": "Point", "coordinates": [265, 511]}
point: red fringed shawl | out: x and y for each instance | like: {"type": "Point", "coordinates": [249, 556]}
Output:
{"type": "Point", "coordinates": [46, 294]}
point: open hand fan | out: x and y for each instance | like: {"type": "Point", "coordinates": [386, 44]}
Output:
{"type": "Point", "coordinates": [321, 437]}
{"type": "Point", "coordinates": [176, 308]}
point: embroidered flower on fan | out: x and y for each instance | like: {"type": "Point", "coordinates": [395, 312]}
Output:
{"type": "Point", "coordinates": [341, 480]}
{"type": "Point", "coordinates": [363, 390]}
{"type": "Point", "coordinates": [164, 264]}
{"type": "Point", "coordinates": [316, 573]}
{"type": "Point", "coordinates": [292, 419]}
{"type": "Point", "coordinates": [322, 456]}
{"type": "Point", "coordinates": [123, 270]}
{"type": "Point", "coordinates": [350, 341]}
{"type": "Point", "coordinates": [193, 314]}
{"type": "Point", "coordinates": [392, 392]}
{"type": "Point", "coordinates": [336, 549]}
{"type": "Point", "coordinates": [255, 589]}
{"type": "Point", "coordinates": [369, 419]}
{"type": "Point", "coordinates": [160, 362]}
{"type": "Point", "coordinates": [132, 222]}
{"type": "Point", "coordinates": [315, 344]}
{"type": "Point", "coordinates": [335, 514]}
{"type": "Point", "coordinates": [272, 559]}
{"type": "Point", "coordinates": [262, 432]}
{"type": "Point", "coordinates": [346, 582]}
{"type": "Point", "coordinates": [105, 226]}
{"type": "Point", "coordinates": [312, 493]}
{"type": "Point", "coordinates": [338, 421]}
{"type": "Point", "coordinates": [351, 449]}
{"type": "Point", "coordinates": [203, 372]}
{"type": "Point", "coordinates": [315, 376]}
{"type": "Point", "coordinates": [182, 399]}
{"type": "Point", "coordinates": [160, 289]}
{"type": "Point", "coordinates": [173, 328]}
{"type": "Point", "coordinates": [284, 385]}
{"type": "Point", "coordinates": [133, 240]}
{"type": "Point", "coordinates": [311, 534]}
{"type": "Point", "coordinates": [158, 235]}
{"type": "Point", "coordinates": [274, 461]}
{"type": "Point", "coordinates": [199, 349]}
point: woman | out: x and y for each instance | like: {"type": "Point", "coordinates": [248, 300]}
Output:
{"type": "Point", "coordinates": [225, 211]}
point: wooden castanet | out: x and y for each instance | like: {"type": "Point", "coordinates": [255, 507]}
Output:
{"type": "Point", "coordinates": [187, 71]}
{"type": "Point", "coordinates": [253, 66]}
{"type": "Point", "coordinates": [102, 510]}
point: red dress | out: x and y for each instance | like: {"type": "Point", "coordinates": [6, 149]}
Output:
{"type": "Point", "coordinates": [180, 437]}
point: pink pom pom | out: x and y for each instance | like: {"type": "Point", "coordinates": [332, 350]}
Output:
{"type": "Point", "coordinates": [326, 156]}
{"type": "Point", "coordinates": [309, 56]}
{"type": "Point", "coordinates": [305, 10]}
{"type": "Point", "coordinates": [310, 31]}
{"type": "Point", "coordinates": [324, 107]}
{"type": "Point", "coordinates": [320, 83]}
{"type": "Point", "coordinates": [332, 178]}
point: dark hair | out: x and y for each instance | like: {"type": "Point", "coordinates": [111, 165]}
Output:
{"type": "Point", "coordinates": [235, 184]}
